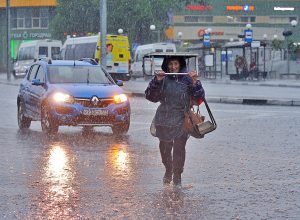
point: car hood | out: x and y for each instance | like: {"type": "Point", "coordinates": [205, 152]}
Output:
{"type": "Point", "coordinates": [88, 90]}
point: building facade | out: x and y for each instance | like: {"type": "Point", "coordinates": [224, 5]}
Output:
{"type": "Point", "coordinates": [227, 19]}
{"type": "Point", "coordinates": [29, 20]}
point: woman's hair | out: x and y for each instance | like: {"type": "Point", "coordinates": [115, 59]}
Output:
{"type": "Point", "coordinates": [180, 59]}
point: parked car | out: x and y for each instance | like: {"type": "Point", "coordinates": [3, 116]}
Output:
{"type": "Point", "coordinates": [72, 93]}
{"type": "Point", "coordinates": [142, 50]}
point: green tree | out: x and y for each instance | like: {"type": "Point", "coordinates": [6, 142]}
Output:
{"type": "Point", "coordinates": [75, 16]}
{"type": "Point", "coordinates": [277, 44]}
{"type": "Point", "coordinates": [136, 16]}
{"type": "Point", "coordinates": [133, 16]}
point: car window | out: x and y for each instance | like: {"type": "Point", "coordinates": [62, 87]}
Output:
{"type": "Point", "coordinates": [32, 72]}
{"type": "Point", "coordinates": [40, 74]}
{"type": "Point", "coordinates": [77, 74]}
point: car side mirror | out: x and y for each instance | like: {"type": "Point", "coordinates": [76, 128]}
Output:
{"type": "Point", "coordinates": [119, 82]}
{"type": "Point", "coordinates": [37, 82]}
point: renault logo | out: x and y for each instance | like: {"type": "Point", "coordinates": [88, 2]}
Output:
{"type": "Point", "coordinates": [94, 100]}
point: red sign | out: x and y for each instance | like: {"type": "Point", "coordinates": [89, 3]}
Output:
{"type": "Point", "coordinates": [201, 32]}
{"type": "Point", "coordinates": [199, 7]}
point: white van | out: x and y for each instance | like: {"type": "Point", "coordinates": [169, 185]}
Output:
{"type": "Point", "coordinates": [34, 50]}
{"type": "Point", "coordinates": [142, 50]}
{"type": "Point", "coordinates": [118, 57]}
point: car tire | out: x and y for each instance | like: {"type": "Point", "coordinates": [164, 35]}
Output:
{"type": "Point", "coordinates": [23, 121]}
{"type": "Point", "coordinates": [49, 125]}
{"type": "Point", "coordinates": [120, 128]}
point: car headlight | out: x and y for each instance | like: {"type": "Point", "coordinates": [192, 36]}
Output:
{"type": "Point", "coordinates": [60, 97]}
{"type": "Point", "coordinates": [120, 98]}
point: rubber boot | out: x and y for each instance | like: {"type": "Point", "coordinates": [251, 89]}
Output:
{"type": "Point", "coordinates": [167, 177]}
{"type": "Point", "coordinates": [177, 179]}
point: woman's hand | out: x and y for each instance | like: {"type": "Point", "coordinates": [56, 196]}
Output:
{"type": "Point", "coordinates": [193, 75]}
{"type": "Point", "coordinates": [160, 75]}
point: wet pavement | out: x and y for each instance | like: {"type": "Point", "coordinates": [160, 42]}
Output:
{"type": "Point", "coordinates": [249, 168]}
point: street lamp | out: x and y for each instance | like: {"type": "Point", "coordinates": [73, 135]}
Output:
{"type": "Point", "coordinates": [152, 28]}
{"type": "Point", "coordinates": [265, 36]}
{"type": "Point", "coordinates": [120, 31]}
{"type": "Point", "coordinates": [248, 26]}
{"type": "Point", "coordinates": [286, 34]}
{"type": "Point", "coordinates": [294, 23]}
{"type": "Point", "coordinates": [179, 34]}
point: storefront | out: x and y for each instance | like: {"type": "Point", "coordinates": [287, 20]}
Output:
{"type": "Point", "coordinates": [29, 21]}
{"type": "Point", "coordinates": [227, 20]}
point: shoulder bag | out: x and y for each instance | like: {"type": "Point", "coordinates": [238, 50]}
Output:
{"type": "Point", "coordinates": [195, 125]}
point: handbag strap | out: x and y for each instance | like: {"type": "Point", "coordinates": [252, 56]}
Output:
{"type": "Point", "coordinates": [210, 114]}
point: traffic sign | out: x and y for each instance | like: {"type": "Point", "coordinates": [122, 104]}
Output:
{"type": "Point", "coordinates": [248, 35]}
{"type": "Point", "coordinates": [206, 40]}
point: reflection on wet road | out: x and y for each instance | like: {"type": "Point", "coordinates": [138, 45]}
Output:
{"type": "Point", "coordinates": [55, 184]}
{"type": "Point", "coordinates": [238, 172]}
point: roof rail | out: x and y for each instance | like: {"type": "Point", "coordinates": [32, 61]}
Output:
{"type": "Point", "coordinates": [49, 61]}
{"type": "Point", "coordinates": [89, 60]}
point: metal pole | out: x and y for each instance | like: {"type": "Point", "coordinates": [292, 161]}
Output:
{"type": "Point", "coordinates": [8, 39]}
{"type": "Point", "coordinates": [158, 36]}
{"type": "Point", "coordinates": [288, 57]}
{"type": "Point", "coordinates": [103, 31]}
{"type": "Point", "coordinates": [264, 60]}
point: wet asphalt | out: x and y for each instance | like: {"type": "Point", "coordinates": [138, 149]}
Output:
{"type": "Point", "coordinates": [249, 168]}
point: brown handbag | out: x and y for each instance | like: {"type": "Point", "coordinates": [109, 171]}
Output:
{"type": "Point", "coordinates": [195, 125]}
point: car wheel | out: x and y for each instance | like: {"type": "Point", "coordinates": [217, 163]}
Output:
{"type": "Point", "coordinates": [23, 121]}
{"type": "Point", "coordinates": [49, 125]}
{"type": "Point", "coordinates": [121, 128]}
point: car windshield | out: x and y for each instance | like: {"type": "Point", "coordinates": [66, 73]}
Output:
{"type": "Point", "coordinates": [77, 74]}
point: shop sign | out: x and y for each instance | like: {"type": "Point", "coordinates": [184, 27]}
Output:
{"type": "Point", "coordinates": [201, 33]}
{"type": "Point", "coordinates": [30, 35]}
{"type": "Point", "coordinates": [284, 8]}
{"type": "Point", "coordinates": [199, 7]}
{"type": "Point", "coordinates": [240, 8]}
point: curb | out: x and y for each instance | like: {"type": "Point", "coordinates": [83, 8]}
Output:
{"type": "Point", "coordinates": [225, 100]}
{"type": "Point", "coordinates": [251, 84]}
{"type": "Point", "coordinates": [9, 83]}
{"type": "Point", "coordinates": [234, 100]}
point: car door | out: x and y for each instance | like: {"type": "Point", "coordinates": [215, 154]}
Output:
{"type": "Point", "coordinates": [38, 91]}
{"type": "Point", "coordinates": [26, 90]}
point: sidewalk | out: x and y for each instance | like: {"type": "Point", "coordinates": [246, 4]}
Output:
{"type": "Point", "coordinates": [268, 92]}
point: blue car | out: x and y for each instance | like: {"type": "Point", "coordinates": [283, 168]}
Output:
{"type": "Point", "coordinates": [72, 93]}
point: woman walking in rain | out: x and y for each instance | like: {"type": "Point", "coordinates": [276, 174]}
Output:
{"type": "Point", "coordinates": [175, 94]}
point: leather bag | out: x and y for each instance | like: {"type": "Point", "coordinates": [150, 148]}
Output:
{"type": "Point", "coordinates": [195, 125]}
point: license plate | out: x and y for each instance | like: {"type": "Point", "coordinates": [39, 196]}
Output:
{"type": "Point", "coordinates": [95, 112]}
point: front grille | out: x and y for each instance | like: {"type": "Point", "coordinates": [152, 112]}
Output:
{"type": "Point", "coordinates": [102, 103]}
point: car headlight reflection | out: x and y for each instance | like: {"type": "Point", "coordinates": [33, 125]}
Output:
{"type": "Point", "coordinates": [120, 98]}
{"type": "Point", "coordinates": [60, 97]}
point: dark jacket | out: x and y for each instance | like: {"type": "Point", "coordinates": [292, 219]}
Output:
{"type": "Point", "coordinates": [174, 93]}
